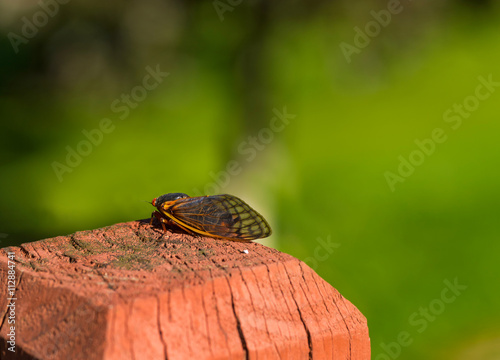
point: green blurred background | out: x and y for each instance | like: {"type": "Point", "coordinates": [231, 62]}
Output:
{"type": "Point", "coordinates": [322, 178]}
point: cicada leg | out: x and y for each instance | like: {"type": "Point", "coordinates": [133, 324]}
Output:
{"type": "Point", "coordinates": [161, 219]}
{"type": "Point", "coordinates": [170, 223]}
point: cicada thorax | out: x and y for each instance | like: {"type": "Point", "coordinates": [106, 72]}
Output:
{"type": "Point", "coordinates": [168, 198]}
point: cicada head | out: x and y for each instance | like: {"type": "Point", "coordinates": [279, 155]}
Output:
{"type": "Point", "coordinates": [168, 197]}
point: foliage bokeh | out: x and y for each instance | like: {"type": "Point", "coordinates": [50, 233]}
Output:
{"type": "Point", "coordinates": [322, 176]}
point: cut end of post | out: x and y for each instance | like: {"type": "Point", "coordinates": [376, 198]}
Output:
{"type": "Point", "coordinates": [128, 291]}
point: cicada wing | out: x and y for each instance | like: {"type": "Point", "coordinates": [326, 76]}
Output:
{"type": "Point", "coordinates": [223, 216]}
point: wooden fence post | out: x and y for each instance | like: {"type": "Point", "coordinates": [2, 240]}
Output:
{"type": "Point", "coordinates": [127, 292]}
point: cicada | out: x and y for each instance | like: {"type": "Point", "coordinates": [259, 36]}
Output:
{"type": "Point", "coordinates": [218, 216]}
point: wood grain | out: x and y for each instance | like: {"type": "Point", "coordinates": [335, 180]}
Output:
{"type": "Point", "coordinates": [127, 291]}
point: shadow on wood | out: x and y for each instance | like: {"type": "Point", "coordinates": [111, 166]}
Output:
{"type": "Point", "coordinates": [128, 292]}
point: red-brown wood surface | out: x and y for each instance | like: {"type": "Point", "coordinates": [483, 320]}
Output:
{"type": "Point", "coordinates": [127, 292]}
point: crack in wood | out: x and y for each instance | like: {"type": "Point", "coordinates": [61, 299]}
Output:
{"type": "Point", "coordinates": [160, 333]}
{"type": "Point", "coordinates": [308, 291]}
{"type": "Point", "coordinates": [267, 308]}
{"type": "Point", "coordinates": [238, 323]}
{"type": "Point", "coordinates": [309, 339]}
{"type": "Point", "coordinates": [207, 326]}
